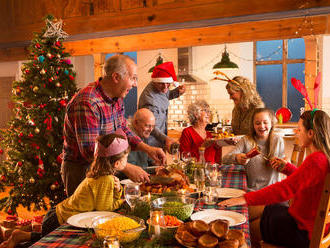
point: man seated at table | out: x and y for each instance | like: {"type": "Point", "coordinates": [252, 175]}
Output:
{"type": "Point", "coordinates": [142, 125]}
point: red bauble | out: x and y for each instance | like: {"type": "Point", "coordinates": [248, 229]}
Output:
{"type": "Point", "coordinates": [38, 45]}
{"type": "Point", "coordinates": [19, 164]}
{"type": "Point", "coordinates": [30, 135]}
{"type": "Point", "coordinates": [58, 43]}
{"type": "Point", "coordinates": [71, 77]}
{"type": "Point", "coordinates": [63, 103]}
{"type": "Point", "coordinates": [1, 151]}
{"type": "Point", "coordinates": [20, 135]}
{"type": "Point", "coordinates": [59, 159]}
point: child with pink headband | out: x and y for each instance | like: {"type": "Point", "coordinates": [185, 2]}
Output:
{"type": "Point", "coordinates": [99, 191]}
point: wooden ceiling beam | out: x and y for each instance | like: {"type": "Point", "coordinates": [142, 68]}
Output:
{"type": "Point", "coordinates": [251, 31]}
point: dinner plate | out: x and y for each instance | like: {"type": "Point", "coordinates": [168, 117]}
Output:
{"type": "Point", "coordinates": [85, 220]}
{"type": "Point", "coordinates": [209, 215]}
{"type": "Point", "coordinates": [228, 192]}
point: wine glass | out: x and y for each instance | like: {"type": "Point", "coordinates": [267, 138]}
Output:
{"type": "Point", "coordinates": [185, 156]}
{"type": "Point", "coordinates": [199, 179]}
{"type": "Point", "coordinates": [213, 174]}
{"type": "Point", "coordinates": [132, 194]}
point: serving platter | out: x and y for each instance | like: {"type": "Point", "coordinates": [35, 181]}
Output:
{"type": "Point", "coordinates": [228, 192]}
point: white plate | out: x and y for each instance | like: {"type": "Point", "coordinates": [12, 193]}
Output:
{"type": "Point", "coordinates": [228, 192]}
{"type": "Point", "coordinates": [84, 220]}
{"type": "Point", "coordinates": [209, 215]}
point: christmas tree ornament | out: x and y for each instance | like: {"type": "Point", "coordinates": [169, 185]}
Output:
{"type": "Point", "coordinates": [71, 77]}
{"type": "Point", "coordinates": [19, 164]}
{"type": "Point", "coordinates": [37, 130]}
{"type": "Point", "coordinates": [54, 29]}
{"type": "Point", "coordinates": [31, 180]}
{"type": "Point", "coordinates": [66, 72]}
{"type": "Point", "coordinates": [38, 45]}
{"type": "Point", "coordinates": [50, 80]}
{"type": "Point", "coordinates": [58, 43]}
{"type": "Point", "coordinates": [30, 135]}
{"type": "Point", "coordinates": [35, 89]}
{"type": "Point", "coordinates": [41, 58]}
{"type": "Point", "coordinates": [58, 84]}
{"type": "Point", "coordinates": [68, 61]}
{"type": "Point", "coordinates": [27, 71]}
{"type": "Point", "coordinates": [53, 187]}
{"type": "Point", "coordinates": [43, 72]}
{"type": "Point", "coordinates": [58, 55]}
{"type": "Point", "coordinates": [1, 151]}
{"type": "Point", "coordinates": [20, 180]}
{"type": "Point", "coordinates": [49, 55]}
{"type": "Point", "coordinates": [55, 118]}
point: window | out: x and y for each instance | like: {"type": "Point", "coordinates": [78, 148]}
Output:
{"type": "Point", "coordinates": [277, 61]}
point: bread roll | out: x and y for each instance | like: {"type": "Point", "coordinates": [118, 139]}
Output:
{"type": "Point", "coordinates": [219, 228]}
{"type": "Point", "coordinates": [231, 243]}
{"type": "Point", "coordinates": [236, 234]}
{"type": "Point", "coordinates": [199, 227]}
{"type": "Point", "coordinates": [207, 241]}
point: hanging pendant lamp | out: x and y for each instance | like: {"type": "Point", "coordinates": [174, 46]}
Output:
{"type": "Point", "coordinates": [225, 62]}
{"type": "Point", "coordinates": [158, 62]}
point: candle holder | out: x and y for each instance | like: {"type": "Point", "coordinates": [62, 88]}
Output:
{"type": "Point", "coordinates": [111, 242]}
{"type": "Point", "coordinates": [156, 221]}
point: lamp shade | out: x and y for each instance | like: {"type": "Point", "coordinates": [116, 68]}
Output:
{"type": "Point", "coordinates": [158, 62]}
{"type": "Point", "coordinates": [225, 62]}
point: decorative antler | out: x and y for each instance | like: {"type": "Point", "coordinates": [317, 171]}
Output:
{"type": "Point", "coordinates": [226, 79]}
{"type": "Point", "coordinates": [317, 87]}
{"type": "Point", "coordinates": [301, 88]}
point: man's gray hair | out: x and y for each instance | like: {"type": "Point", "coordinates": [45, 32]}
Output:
{"type": "Point", "coordinates": [116, 63]}
{"type": "Point", "coordinates": [194, 110]}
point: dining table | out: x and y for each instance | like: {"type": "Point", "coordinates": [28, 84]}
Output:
{"type": "Point", "coordinates": [233, 176]}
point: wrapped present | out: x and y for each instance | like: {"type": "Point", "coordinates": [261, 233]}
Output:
{"type": "Point", "coordinates": [25, 225]}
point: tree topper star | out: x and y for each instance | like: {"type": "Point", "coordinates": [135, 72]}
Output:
{"type": "Point", "coordinates": [54, 29]}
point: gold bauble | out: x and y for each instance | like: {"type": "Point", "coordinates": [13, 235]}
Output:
{"type": "Point", "coordinates": [37, 130]}
{"type": "Point", "coordinates": [35, 89]}
{"type": "Point", "coordinates": [31, 180]}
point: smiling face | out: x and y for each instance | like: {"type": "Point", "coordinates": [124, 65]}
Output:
{"type": "Point", "coordinates": [235, 96]}
{"type": "Point", "coordinates": [161, 87]}
{"type": "Point", "coordinates": [204, 116]}
{"type": "Point", "coordinates": [262, 125]}
{"type": "Point", "coordinates": [145, 126]}
{"type": "Point", "coordinates": [305, 137]}
{"type": "Point", "coordinates": [128, 80]}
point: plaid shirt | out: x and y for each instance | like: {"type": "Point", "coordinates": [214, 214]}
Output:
{"type": "Point", "coordinates": [91, 113]}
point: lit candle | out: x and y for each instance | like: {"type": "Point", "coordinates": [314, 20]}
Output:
{"type": "Point", "coordinates": [149, 197]}
{"type": "Point", "coordinates": [157, 226]}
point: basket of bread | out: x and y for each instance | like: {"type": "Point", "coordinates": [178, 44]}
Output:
{"type": "Point", "coordinates": [215, 234]}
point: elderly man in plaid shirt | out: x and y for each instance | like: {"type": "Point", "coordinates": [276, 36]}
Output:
{"type": "Point", "coordinates": [98, 109]}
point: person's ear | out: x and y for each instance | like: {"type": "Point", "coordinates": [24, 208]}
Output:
{"type": "Point", "coordinates": [116, 165]}
{"type": "Point", "coordinates": [310, 133]}
{"type": "Point", "coordinates": [116, 77]}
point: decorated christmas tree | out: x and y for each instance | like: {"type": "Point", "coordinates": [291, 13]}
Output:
{"type": "Point", "coordinates": [34, 138]}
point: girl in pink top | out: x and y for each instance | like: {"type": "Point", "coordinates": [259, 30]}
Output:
{"type": "Point", "coordinates": [292, 226]}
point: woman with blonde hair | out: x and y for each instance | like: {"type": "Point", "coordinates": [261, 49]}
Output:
{"type": "Point", "coordinates": [196, 136]}
{"type": "Point", "coordinates": [246, 100]}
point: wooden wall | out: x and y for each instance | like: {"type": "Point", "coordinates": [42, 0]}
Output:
{"type": "Point", "coordinates": [163, 17]}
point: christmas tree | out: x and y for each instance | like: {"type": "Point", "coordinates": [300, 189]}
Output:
{"type": "Point", "coordinates": [34, 138]}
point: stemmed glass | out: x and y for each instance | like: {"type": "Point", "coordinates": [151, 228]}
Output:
{"type": "Point", "coordinates": [132, 194]}
{"type": "Point", "coordinates": [199, 179]}
{"type": "Point", "coordinates": [213, 174]}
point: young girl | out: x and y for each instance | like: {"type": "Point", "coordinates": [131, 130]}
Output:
{"type": "Point", "coordinates": [292, 226]}
{"type": "Point", "coordinates": [259, 172]}
{"type": "Point", "coordinates": [99, 191]}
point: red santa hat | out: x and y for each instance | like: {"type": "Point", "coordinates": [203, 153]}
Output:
{"type": "Point", "coordinates": [164, 73]}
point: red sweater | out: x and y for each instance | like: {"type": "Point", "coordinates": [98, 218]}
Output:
{"type": "Point", "coordinates": [304, 185]}
{"type": "Point", "coordinates": [190, 141]}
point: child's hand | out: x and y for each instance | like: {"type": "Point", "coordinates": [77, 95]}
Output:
{"type": "Point", "coordinates": [277, 163]}
{"type": "Point", "coordinates": [117, 184]}
{"type": "Point", "coordinates": [232, 202]}
{"type": "Point", "coordinates": [242, 159]}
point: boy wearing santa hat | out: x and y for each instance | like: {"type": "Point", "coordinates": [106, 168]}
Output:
{"type": "Point", "coordinates": [155, 97]}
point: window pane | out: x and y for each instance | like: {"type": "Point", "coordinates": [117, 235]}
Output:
{"type": "Point", "coordinates": [295, 99]}
{"type": "Point", "coordinates": [296, 48]}
{"type": "Point", "coordinates": [269, 50]}
{"type": "Point", "coordinates": [269, 85]}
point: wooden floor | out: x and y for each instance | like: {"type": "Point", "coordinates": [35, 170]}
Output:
{"type": "Point", "coordinates": [22, 212]}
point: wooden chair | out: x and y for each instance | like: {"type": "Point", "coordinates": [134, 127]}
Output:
{"type": "Point", "coordinates": [322, 219]}
{"type": "Point", "coordinates": [297, 155]}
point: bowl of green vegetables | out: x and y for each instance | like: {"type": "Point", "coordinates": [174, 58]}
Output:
{"type": "Point", "coordinates": [178, 206]}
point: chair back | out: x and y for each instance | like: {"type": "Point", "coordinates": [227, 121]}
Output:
{"type": "Point", "coordinates": [322, 219]}
{"type": "Point", "coordinates": [297, 155]}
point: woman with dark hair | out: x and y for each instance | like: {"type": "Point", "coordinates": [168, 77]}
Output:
{"type": "Point", "coordinates": [292, 226]}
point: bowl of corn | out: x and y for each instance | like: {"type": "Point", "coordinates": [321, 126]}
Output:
{"type": "Point", "coordinates": [126, 228]}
